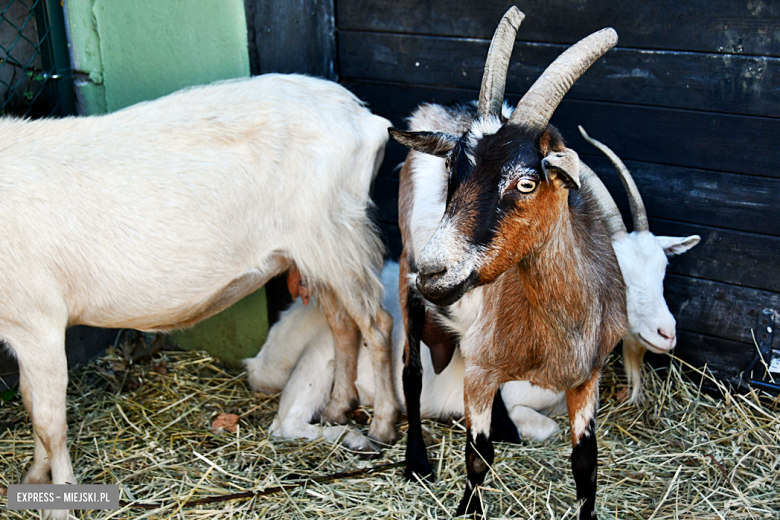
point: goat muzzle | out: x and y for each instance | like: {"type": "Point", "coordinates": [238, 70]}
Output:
{"type": "Point", "coordinates": [445, 286]}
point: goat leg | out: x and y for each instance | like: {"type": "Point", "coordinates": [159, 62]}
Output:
{"type": "Point", "coordinates": [344, 396]}
{"type": "Point", "coordinates": [479, 391]}
{"type": "Point", "coordinates": [502, 427]}
{"type": "Point", "coordinates": [416, 453]}
{"type": "Point", "coordinates": [41, 466]}
{"type": "Point", "coordinates": [582, 403]}
{"type": "Point", "coordinates": [44, 372]}
{"type": "Point", "coordinates": [377, 337]}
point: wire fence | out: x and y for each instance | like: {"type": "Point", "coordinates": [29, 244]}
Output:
{"type": "Point", "coordinates": [35, 75]}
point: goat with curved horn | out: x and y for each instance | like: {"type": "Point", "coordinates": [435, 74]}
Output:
{"type": "Point", "coordinates": [491, 95]}
{"type": "Point", "coordinates": [519, 264]}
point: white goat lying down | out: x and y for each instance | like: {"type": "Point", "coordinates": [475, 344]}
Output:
{"type": "Point", "coordinates": [297, 359]}
{"type": "Point", "coordinates": [164, 213]}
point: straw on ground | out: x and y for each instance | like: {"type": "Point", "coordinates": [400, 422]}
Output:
{"type": "Point", "coordinates": [684, 455]}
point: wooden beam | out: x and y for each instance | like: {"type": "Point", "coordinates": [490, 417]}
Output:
{"type": "Point", "coordinates": [292, 36]}
{"type": "Point", "coordinates": [719, 26]}
{"type": "Point", "coordinates": [689, 80]}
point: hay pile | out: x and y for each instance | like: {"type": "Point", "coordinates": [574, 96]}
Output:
{"type": "Point", "coordinates": [147, 427]}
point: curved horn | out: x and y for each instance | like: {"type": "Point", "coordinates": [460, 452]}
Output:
{"type": "Point", "coordinates": [610, 213]}
{"type": "Point", "coordinates": [537, 106]}
{"type": "Point", "coordinates": [491, 95]}
{"type": "Point", "coordinates": [638, 212]}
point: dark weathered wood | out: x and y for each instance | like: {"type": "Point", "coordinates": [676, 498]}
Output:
{"type": "Point", "coordinates": [722, 142]}
{"type": "Point", "coordinates": [292, 36]}
{"type": "Point", "coordinates": [713, 82]}
{"type": "Point", "coordinates": [728, 256]}
{"type": "Point", "coordinates": [725, 200]}
{"type": "Point", "coordinates": [720, 26]}
{"type": "Point", "coordinates": [385, 196]}
{"type": "Point", "coordinates": [716, 309]}
{"type": "Point", "coordinates": [704, 140]}
{"type": "Point", "coordinates": [725, 359]}
{"type": "Point", "coordinates": [391, 236]}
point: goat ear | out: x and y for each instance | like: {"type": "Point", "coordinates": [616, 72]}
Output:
{"type": "Point", "coordinates": [566, 163]}
{"type": "Point", "coordinates": [432, 143]}
{"type": "Point", "coordinates": [677, 245]}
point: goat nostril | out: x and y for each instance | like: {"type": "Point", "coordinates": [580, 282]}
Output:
{"type": "Point", "coordinates": [666, 334]}
{"type": "Point", "coordinates": [432, 271]}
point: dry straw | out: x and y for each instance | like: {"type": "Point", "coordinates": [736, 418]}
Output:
{"type": "Point", "coordinates": [684, 455]}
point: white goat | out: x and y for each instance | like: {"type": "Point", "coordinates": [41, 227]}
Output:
{"type": "Point", "coordinates": [643, 259]}
{"type": "Point", "coordinates": [164, 213]}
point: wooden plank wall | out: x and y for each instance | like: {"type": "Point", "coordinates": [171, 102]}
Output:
{"type": "Point", "coordinates": [690, 99]}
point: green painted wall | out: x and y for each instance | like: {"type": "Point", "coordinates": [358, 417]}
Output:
{"type": "Point", "coordinates": [232, 335]}
{"type": "Point", "coordinates": [134, 50]}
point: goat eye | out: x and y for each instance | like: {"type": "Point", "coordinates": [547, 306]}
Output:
{"type": "Point", "coordinates": [526, 185]}
{"type": "Point", "coordinates": [447, 164]}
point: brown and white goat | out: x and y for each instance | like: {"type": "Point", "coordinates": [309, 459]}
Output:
{"type": "Point", "coordinates": [521, 259]}
{"type": "Point", "coordinates": [166, 212]}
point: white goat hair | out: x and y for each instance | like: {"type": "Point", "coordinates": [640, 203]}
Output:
{"type": "Point", "coordinates": [297, 359]}
{"type": "Point", "coordinates": [164, 213]}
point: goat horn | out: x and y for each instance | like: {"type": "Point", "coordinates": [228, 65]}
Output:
{"type": "Point", "coordinates": [491, 95]}
{"type": "Point", "coordinates": [610, 213]}
{"type": "Point", "coordinates": [638, 212]}
{"type": "Point", "coordinates": [537, 106]}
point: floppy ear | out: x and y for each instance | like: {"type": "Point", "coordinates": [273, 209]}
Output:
{"type": "Point", "coordinates": [565, 163]}
{"type": "Point", "coordinates": [432, 143]}
{"type": "Point", "coordinates": [677, 245]}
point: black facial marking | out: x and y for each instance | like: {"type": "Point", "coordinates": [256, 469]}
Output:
{"type": "Point", "coordinates": [473, 190]}
{"type": "Point", "coordinates": [584, 466]}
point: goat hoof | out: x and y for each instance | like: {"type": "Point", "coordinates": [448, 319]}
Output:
{"type": "Point", "coordinates": [470, 507]}
{"type": "Point", "coordinates": [383, 434]}
{"type": "Point", "coordinates": [36, 476]}
{"type": "Point", "coordinates": [419, 470]}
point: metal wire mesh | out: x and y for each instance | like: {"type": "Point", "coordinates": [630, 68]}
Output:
{"type": "Point", "coordinates": [29, 71]}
